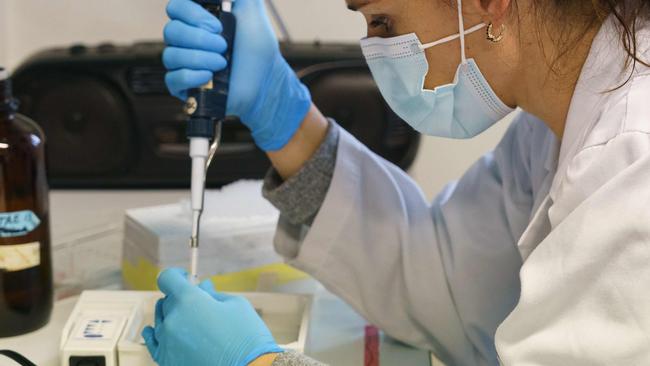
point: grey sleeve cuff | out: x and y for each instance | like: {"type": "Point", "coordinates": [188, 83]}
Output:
{"type": "Point", "coordinates": [290, 358]}
{"type": "Point", "coordinates": [300, 197]}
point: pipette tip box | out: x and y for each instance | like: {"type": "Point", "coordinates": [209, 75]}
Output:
{"type": "Point", "coordinates": [236, 247]}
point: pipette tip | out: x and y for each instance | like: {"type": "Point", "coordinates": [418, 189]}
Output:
{"type": "Point", "coordinates": [194, 262]}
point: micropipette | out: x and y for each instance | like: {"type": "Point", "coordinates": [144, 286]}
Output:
{"type": "Point", "coordinates": [206, 107]}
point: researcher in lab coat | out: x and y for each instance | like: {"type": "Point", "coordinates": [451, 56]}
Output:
{"type": "Point", "coordinates": [538, 255]}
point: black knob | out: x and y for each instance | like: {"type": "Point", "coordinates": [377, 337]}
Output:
{"type": "Point", "coordinates": [77, 49]}
{"type": "Point", "coordinates": [106, 48]}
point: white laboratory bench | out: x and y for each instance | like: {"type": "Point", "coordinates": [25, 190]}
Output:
{"type": "Point", "coordinates": [337, 332]}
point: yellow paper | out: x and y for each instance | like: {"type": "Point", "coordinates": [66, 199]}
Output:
{"type": "Point", "coordinates": [143, 275]}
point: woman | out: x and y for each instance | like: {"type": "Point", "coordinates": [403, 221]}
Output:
{"type": "Point", "coordinates": [539, 255]}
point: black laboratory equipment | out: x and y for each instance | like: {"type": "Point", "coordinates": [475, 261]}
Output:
{"type": "Point", "coordinates": [111, 122]}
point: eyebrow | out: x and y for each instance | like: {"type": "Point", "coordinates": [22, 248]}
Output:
{"type": "Point", "coordinates": [360, 4]}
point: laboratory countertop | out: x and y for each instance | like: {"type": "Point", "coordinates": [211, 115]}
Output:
{"type": "Point", "coordinates": [337, 335]}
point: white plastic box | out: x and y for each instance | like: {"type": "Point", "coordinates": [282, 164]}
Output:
{"type": "Point", "coordinates": [108, 324]}
{"type": "Point", "coordinates": [236, 241]}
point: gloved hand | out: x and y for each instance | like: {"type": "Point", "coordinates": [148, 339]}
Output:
{"type": "Point", "coordinates": [198, 326]}
{"type": "Point", "coordinates": [264, 91]}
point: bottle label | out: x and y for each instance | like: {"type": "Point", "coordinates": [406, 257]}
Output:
{"type": "Point", "coordinates": [17, 223]}
{"type": "Point", "coordinates": [19, 257]}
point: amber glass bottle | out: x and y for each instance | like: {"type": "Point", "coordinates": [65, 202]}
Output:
{"type": "Point", "coordinates": [25, 260]}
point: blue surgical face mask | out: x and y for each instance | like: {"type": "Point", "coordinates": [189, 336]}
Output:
{"type": "Point", "coordinates": [462, 109]}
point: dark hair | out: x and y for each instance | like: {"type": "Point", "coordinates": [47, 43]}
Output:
{"type": "Point", "coordinates": [629, 16]}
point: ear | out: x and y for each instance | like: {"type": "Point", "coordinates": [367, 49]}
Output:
{"type": "Point", "coordinates": [494, 11]}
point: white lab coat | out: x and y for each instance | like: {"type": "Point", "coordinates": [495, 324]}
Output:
{"type": "Point", "coordinates": [539, 252]}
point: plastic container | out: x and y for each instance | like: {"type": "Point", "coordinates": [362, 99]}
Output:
{"type": "Point", "coordinates": [236, 241]}
{"type": "Point", "coordinates": [288, 317]}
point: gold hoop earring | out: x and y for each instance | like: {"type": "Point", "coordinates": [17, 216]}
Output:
{"type": "Point", "coordinates": [491, 37]}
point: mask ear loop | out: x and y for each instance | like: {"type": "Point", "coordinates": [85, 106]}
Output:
{"type": "Point", "coordinates": [452, 37]}
{"type": "Point", "coordinates": [461, 30]}
{"type": "Point", "coordinates": [461, 34]}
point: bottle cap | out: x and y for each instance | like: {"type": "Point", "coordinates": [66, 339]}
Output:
{"type": "Point", "coordinates": [7, 102]}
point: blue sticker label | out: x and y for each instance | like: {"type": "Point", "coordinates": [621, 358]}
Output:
{"type": "Point", "coordinates": [17, 223]}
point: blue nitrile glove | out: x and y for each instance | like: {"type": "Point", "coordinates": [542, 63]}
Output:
{"type": "Point", "coordinates": [198, 326]}
{"type": "Point", "coordinates": [264, 93]}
